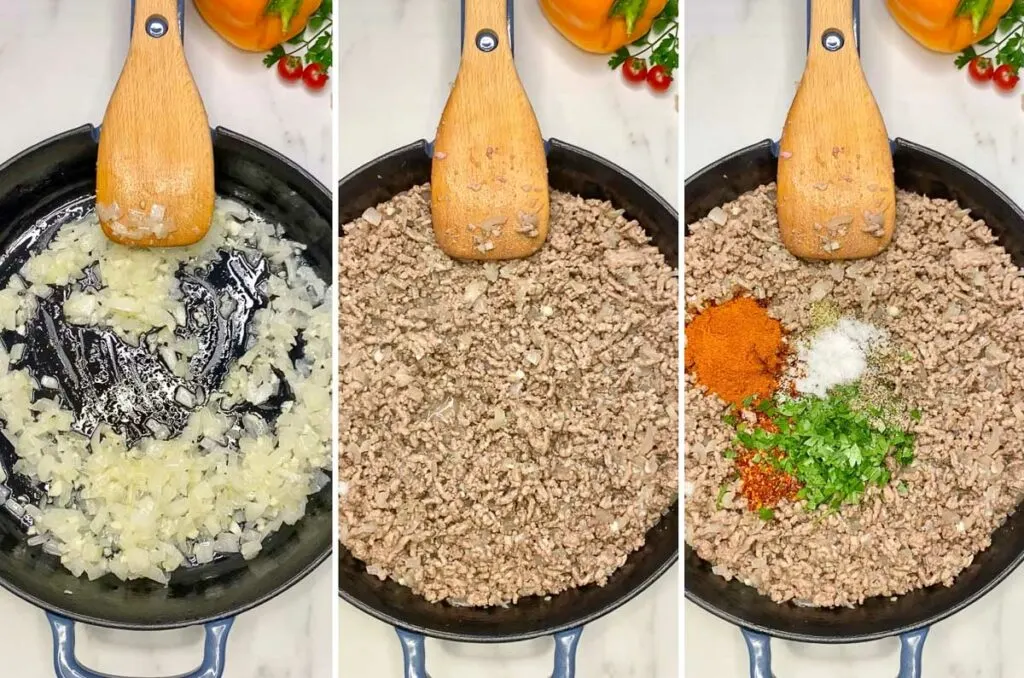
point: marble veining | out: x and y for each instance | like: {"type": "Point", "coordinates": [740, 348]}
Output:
{"type": "Point", "coordinates": [59, 61]}
{"type": "Point", "coordinates": [394, 80]}
{"type": "Point", "coordinates": [743, 60]}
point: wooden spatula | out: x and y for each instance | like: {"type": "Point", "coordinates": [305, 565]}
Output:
{"type": "Point", "coordinates": [154, 175]}
{"type": "Point", "coordinates": [489, 182]}
{"type": "Point", "coordinates": [836, 193]}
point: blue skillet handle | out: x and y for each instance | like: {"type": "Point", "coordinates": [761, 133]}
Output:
{"type": "Point", "coordinates": [180, 17]}
{"type": "Point", "coordinates": [856, 22]}
{"type": "Point", "coordinates": [509, 12]}
{"type": "Point", "coordinates": [911, 649]}
{"type": "Point", "coordinates": [760, 651]}
{"type": "Point", "coordinates": [759, 648]}
{"type": "Point", "coordinates": [65, 664]}
{"type": "Point", "coordinates": [415, 656]}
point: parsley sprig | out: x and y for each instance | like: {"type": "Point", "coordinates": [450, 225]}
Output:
{"type": "Point", "coordinates": [1009, 48]}
{"type": "Point", "coordinates": [660, 44]}
{"type": "Point", "coordinates": [314, 42]}
{"type": "Point", "coordinates": [836, 447]}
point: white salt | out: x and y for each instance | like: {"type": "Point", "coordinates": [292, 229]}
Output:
{"type": "Point", "coordinates": [837, 355]}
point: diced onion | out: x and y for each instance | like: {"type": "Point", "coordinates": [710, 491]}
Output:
{"type": "Point", "coordinates": [144, 511]}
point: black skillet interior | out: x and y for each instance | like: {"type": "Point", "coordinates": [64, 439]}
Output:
{"type": "Point", "coordinates": [922, 171]}
{"type": "Point", "coordinates": [581, 173]}
{"type": "Point", "coordinates": [54, 182]}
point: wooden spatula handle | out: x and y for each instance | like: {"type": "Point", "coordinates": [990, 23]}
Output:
{"type": "Point", "coordinates": [486, 24]}
{"type": "Point", "coordinates": [832, 36]}
{"type": "Point", "coordinates": [171, 12]}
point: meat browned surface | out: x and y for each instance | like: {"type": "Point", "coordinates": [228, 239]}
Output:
{"type": "Point", "coordinates": [509, 429]}
{"type": "Point", "coordinates": [954, 301]}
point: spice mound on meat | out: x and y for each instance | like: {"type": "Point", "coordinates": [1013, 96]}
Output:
{"type": "Point", "coordinates": [878, 464]}
{"type": "Point", "coordinates": [506, 430]}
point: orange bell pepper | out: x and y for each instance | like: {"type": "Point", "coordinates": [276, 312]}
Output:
{"type": "Point", "coordinates": [257, 25]}
{"type": "Point", "coordinates": [948, 25]}
{"type": "Point", "coordinates": [602, 26]}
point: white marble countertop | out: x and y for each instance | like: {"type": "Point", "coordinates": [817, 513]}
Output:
{"type": "Point", "coordinates": [60, 60]}
{"type": "Point", "coordinates": [743, 59]}
{"type": "Point", "coordinates": [394, 80]}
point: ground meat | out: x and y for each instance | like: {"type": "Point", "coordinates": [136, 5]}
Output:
{"type": "Point", "coordinates": [955, 302]}
{"type": "Point", "coordinates": [506, 429]}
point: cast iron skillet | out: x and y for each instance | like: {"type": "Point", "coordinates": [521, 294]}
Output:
{"type": "Point", "coordinates": [51, 184]}
{"type": "Point", "coordinates": [575, 171]}
{"type": "Point", "coordinates": [922, 171]}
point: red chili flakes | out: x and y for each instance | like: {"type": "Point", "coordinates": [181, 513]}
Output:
{"type": "Point", "coordinates": [765, 422]}
{"type": "Point", "coordinates": [764, 486]}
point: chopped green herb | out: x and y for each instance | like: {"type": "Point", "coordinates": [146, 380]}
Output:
{"type": "Point", "coordinates": [915, 415]}
{"type": "Point", "coordinates": [902, 488]}
{"type": "Point", "coordinates": [835, 451]}
{"type": "Point", "coordinates": [765, 514]}
{"type": "Point", "coordinates": [729, 453]}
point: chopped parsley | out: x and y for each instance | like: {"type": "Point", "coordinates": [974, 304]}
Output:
{"type": "Point", "coordinates": [835, 447]}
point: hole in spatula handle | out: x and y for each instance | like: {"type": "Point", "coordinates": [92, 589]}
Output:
{"type": "Point", "coordinates": [486, 40]}
{"type": "Point", "coordinates": [156, 26]}
{"type": "Point", "coordinates": [833, 40]}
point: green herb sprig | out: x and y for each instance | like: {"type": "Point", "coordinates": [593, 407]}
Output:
{"type": "Point", "coordinates": [315, 43]}
{"type": "Point", "coordinates": [662, 42]}
{"type": "Point", "coordinates": [1009, 49]}
{"type": "Point", "coordinates": [835, 449]}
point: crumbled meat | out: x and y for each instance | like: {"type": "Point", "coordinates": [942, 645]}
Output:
{"type": "Point", "coordinates": [520, 437]}
{"type": "Point", "coordinates": [959, 302]}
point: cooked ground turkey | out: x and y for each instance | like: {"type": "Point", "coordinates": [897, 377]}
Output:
{"type": "Point", "coordinates": [509, 429]}
{"type": "Point", "coordinates": [950, 297]}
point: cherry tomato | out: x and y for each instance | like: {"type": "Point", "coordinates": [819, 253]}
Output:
{"type": "Point", "coordinates": [980, 69]}
{"type": "Point", "coordinates": [634, 70]}
{"type": "Point", "coordinates": [314, 76]}
{"type": "Point", "coordinates": [1005, 78]}
{"type": "Point", "coordinates": [658, 78]}
{"type": "Point", "coordinates": [290, 68]}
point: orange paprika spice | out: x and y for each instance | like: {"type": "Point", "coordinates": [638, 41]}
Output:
{"type": "Point", "coordinates": [602, 26]}
{"type": "Point", "coordinates": [948, 25]}
{"type": "Point", "coordinates": [736, 350]}
{"type": "Point", "coordinates": [257, 25]}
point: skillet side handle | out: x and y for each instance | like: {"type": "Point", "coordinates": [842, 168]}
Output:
{"type": "Point", "coordinates": [414, 655]}
{"type": "Point", "coordinates": [65, 664]}
{"type": "Point", "coordinates": [415, 658]}
{"type": "Point", "coordinates": [911, 651]}
{"type": "Point", "coordinates": [759, 648]}
{"type": "Point", "coordinates": [566, 643]}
